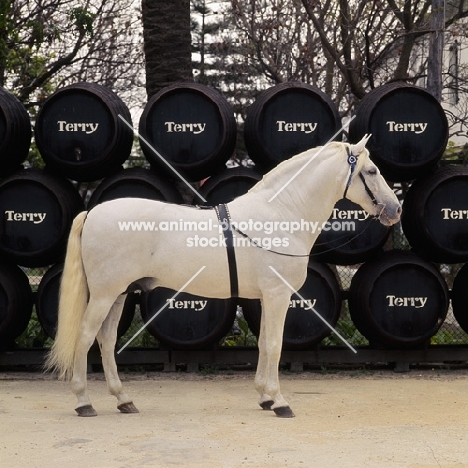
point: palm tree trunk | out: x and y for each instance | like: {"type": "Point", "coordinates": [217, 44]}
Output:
{"type": "Point", "coordinates": [167, 43]}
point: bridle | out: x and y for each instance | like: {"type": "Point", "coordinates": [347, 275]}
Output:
{"type": "Point", "coordinates": [352, 161]}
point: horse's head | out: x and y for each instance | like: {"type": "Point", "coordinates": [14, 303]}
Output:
{"type": "Point", "coordinates": [366, 186]}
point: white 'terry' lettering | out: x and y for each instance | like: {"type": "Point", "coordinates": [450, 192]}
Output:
{"type": "Point", "coordinates": [87, 127]}
{"type": "Point", "coordinates": [358, 215]}
{"type": "Point", "coordinates": [448, 213]}
{"type": "Point", "coordinates": [416, 128]}
{"type": "Point", "coordinates": [305, 127]}
{"type": "Point", "coordinates": [416, 302]}
{"type": "Point", "coordinates": [194, 128]}
{"type": "Point", "coordinates": [196, 305]}
{"type": "Point", "coordinates": [35, 218]}
{"type": "Point", "coordinates": [306, 304]}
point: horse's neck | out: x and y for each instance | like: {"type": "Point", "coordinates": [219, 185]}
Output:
{"type": "Point", "coordinates": [311, 195]}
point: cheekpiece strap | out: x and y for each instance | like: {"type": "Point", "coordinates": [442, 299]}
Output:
{"type": "Point", "coordinates": [352, 161]}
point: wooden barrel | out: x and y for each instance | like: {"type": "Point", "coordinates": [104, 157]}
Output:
{"type": "Point", "coordinates": [460, 297]}
{"type": "Point", "coordinates": [37, 212]}
{"type": "Point", "coordinates": [229, 184]}
{"type": "Point", "coordinates": [435, 216]}
{"type": "Point", "coordinates": [134, 182]}
{"type": "Point", "coordinates": [79, 133]}
{"type": "Point", "coordinates": [408, 126]}
{"type": "Point", "coordinates": [287, 119]}
{"type": "Point", "coordinates": [15, 304]}
{"type": "Point", "coordinates": [47, 299]}
{"type": "Point", "coordinates": [15, 133]}
{"type": "Point", "coordinates": [192, 127]}
{"type": "Point", "coordinates": [188, 321]}
{"type": "Point", "coordinates": [349, 236]}
{"type": "Point", "coordinates": [303, 328]}
{"type": "Point", "coordinates": [398, 300]}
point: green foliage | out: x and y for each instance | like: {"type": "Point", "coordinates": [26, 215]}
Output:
{"type": "Point", "coordinates": [243, 337]}
{"type": "Point", "coordinates": [456, 154]}
{"type": "Point", "coordinates": [449, 337]}
{"type": "Point", "coordinates": [83, 20]}
{"type": "Point", "coordinates": [34, 336]}
{"type": "Point", "coordinates": [209, 370]}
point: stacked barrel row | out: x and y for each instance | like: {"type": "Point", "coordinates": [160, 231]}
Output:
{"type": "Point", "coordinates": [83, 133]}
{"type": "Point", "coordinates": [396, 298]}
{"type": "Point", "coordinates": [401, 298]}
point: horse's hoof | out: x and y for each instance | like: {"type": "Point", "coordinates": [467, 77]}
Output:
{"type": "Point", "coordinates": [127, 408]}
{"type": "Point", "coordinates": [284, 412]}
{"type": "Point", "coordinates": [266, 405]}
{"type": "Point", "coordinates": [86, 411]}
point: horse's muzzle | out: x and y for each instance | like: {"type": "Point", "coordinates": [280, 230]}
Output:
{"type": "Point", "coordinates": [390, 215]}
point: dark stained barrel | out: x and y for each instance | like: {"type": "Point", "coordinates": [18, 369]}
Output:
{"type": "Point", "coordinates": [192, 127]}
{"type": "Point", "coordinates": [288, 119]}
{"type": "Point", "coordinates": [460, 297]}
{"type": "Point", "coordinates": [79, 133]}
{"type": "Point", "coordinates": [398, 300]}
{"type": "Point", "coordinates": [435, 215]}
{"type": "Point", "coordinates": [47, 299]}
{"type": "Point", "coordinates": [37, 210]}
{"type": "Point", "coordinates": [135, 182]}
{"type": "Point", "coordinates": [188, 321]}
{"type": "Point", "coordinates": [303, 328]}
{"type": "Point", "coordinates": [408, 126]}
{"type": "Point", "coordinates": [15, 303]}
{"type": "Point", "coordinates": [349, 236]}
{"type": "Point", "coordinates": [15, 133]}
{"type": "Point", "coordinates": [229, 184]}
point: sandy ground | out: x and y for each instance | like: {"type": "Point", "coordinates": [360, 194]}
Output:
{"type": "Point", "coordinates": [344, 419]}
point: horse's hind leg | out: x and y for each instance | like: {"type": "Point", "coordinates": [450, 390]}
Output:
{"type": "Point", "coordinates": [96, 312]}
{"type": "Point", "coordinates": [107, 338]}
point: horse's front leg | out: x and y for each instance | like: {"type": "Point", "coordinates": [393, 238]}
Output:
{"type": "Point", "coordinates": [107, 338]}
{"type": "Point", "coordinates": [274, 309]}
{"type": "Point", "coordinates": [261, 375]}
{"type": "Point", "coordinates": [95, 314]}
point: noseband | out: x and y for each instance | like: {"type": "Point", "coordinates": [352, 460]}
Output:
{"type": "Point", "coordinates": [352, 161]}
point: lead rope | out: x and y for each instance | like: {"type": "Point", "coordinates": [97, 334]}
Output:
{"type": "Point", "coordinates": [256, 244]}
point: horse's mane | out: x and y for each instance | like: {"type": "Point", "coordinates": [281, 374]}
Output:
{"type": "Point", "coordinates": [286, 169]}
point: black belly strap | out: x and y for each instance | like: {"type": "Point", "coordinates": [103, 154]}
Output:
{"type": "Point", "coordinates": [225, 220]}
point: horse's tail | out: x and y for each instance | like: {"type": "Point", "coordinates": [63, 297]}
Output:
{"type": "Point", "coordinates": [72, 305]}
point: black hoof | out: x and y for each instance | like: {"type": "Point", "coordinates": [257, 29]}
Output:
{"type": "Point", "coordinates": [127, 408]}
{"type": "Point", "coordinates": [266, 405]}
{"type": "Point", "coordinates": [284, 412]}
{"type": "Point", "coordinates": [86, 411]}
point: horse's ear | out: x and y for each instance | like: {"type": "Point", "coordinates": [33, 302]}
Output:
{"type": "Point", "coordinates": [359, 147]}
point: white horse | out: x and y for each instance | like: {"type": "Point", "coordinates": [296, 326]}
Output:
{"type": "Point", "coordinates": [103, 259]}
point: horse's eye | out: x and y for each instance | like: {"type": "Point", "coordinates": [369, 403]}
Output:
{"type": "Point", "coordinates": [372, 171]}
